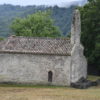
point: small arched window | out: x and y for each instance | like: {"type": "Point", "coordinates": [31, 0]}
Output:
{"type": "Point", "coordinates": [50, 75]}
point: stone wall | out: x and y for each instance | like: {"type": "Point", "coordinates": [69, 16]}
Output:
{"type": "Point", "coordinates": [27, 68]}
{"type": "Point", "coordinates": [78, 63]}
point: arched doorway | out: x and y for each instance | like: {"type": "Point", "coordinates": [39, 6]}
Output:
{"type": "Point", "coordinates": [50, 75]}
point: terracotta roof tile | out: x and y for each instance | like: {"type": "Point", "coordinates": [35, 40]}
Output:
{"type": "Point", "coordinates": [37, 45]}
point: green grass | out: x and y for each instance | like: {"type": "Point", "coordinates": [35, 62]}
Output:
{"type": "Point", "coordinates": [93, 78]}
{"type": "Point", "coordinates": [31, 86]}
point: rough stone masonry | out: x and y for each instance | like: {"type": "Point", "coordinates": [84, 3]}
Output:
{"type": "Point", "coordinates": [54, 61]}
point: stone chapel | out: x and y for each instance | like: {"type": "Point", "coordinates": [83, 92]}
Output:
{"type": "Point", "coordinates": [35, 60]}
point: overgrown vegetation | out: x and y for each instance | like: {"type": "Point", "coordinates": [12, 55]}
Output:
{"type": "Point", "coordinates": [90, 15]}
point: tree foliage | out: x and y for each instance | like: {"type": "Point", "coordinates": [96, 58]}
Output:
{"type": "Point", "coordinates": [90, 15]}
{"type": "Point", "coordinates": [39, 24]}
{"type": "Point", "coordinates": [62, 16]}
{"type": "Point", "coordinates": [1, 38]}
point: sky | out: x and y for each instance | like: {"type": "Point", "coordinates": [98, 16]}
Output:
{"type": "Point", "coordinates": [43, 2]}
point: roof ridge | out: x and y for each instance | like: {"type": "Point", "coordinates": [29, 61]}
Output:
{"type": "Point", "coordinates": [56, 38]}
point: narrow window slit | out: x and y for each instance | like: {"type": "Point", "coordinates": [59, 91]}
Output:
{"type": "Point", "coordinates": [50, 75]}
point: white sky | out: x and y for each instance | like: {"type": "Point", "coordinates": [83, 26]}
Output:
{"type": "Point", "coordinates": [41, 2]}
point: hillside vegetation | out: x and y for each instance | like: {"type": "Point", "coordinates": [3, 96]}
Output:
{"type": "Point", "coordinates": [8, 13]}
{"type": "Point", "coordinates": [90, 16]}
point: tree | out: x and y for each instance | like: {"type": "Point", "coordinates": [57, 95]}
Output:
{"type": "Point", "coordinates": [39, 24]}
{"type": "Point", "coordinates": [90, 15]}
{"type": "Point", "coordinates": [1, 38]}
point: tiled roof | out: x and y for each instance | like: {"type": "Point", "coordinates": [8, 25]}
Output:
{"type": "Point", "coordinates": [57, 46]}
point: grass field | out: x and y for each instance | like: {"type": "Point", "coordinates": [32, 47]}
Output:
{"type": "Point", "coordinates": [48, 92]}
